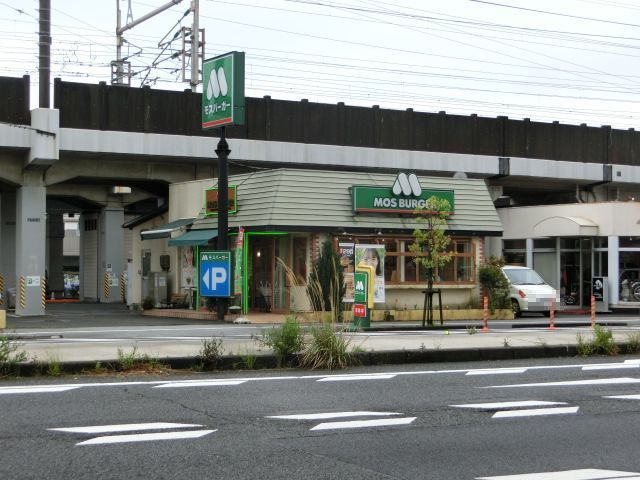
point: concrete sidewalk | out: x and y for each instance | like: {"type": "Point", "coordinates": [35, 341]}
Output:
{"type": "Point", "coordinates": [48, 338]}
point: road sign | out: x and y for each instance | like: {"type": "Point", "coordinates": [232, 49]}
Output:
{"type": "Point", "coordinates": [215, 274]}
{"type": "Point", "coordinates": [223, 90]}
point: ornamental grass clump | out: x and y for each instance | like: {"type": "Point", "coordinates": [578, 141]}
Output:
{"type": "Point", "coordinates": [327, 349]}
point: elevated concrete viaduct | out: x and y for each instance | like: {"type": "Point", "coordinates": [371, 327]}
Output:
{"type": "Point", "coordinates": [49, 166]}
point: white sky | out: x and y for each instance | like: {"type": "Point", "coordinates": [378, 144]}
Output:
{"type": "Point", "coordinates": [493, 57]}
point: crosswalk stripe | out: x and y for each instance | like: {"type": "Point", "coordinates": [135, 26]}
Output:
{"type": "Point", "coordinates": [583, 474]}
{"type": "Point", "coordinates": [201, 383]}
{"type": "Point", "coordinates": [625, 397]}
{"type": "Point", "coordinates": [573, 383]}
{"type": "Point", "coordinates": [535, 412]}
{"type": "Point", "coordinates": [496, 371]}
{"type": "Point", "coordinates": [327, 415]}
{"type": "Point", "coordinates": [38, 389]}
{"type": "Point", "coordinates": [501, 405]}
{"type": "Point", "coordinates": [613, 366]}
{"type": "Point", "coordinates": [342, 378]}
{"type": "Point", "coordinates": [128, 427]}
{"type": "Point", "coordinates": [146, 437]}
{"type": "Point", "coordinates": [379, 422]}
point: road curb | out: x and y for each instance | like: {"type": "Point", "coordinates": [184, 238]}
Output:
{"type": "Point", "coordinates": [270, 361]}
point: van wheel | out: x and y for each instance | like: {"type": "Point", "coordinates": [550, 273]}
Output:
{"type": "Point", "coordinates": [515, 306]}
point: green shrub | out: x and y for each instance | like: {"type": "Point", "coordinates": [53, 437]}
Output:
{"type": "Point", "coordinates": [633, 343]}
{"type": "Point", "coordinates": [286, 339]}
{"type": "Point", "coordinates": [136, 361]}
{"type": "Point", "coordinates": [494, 283]}
{"type": "Point", "coordinates": [210, 353]}
{"type": "Point", "coordinates": [602, 343]}
{"type": "Point", "coordinates": [10, 357]}
{"type": "Point", "coordinates": [327, 349]}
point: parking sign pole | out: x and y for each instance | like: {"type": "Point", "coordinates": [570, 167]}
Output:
{"type": "Point", "coordinates": [222, 151]}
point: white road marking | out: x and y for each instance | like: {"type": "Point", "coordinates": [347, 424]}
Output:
{"type": "Point", "coordinates": [146, 437]}
{"type": "Point", "coordinates": [127, 427]}
{"type": "Point", "coordinates": [201, 383]}
{"type": "Point", "coordinates": [584, 474]}
{"type": "Point", "coordinates": [573, 383]}
{"type": "Point", "coordinates": [36, 389]}
{"type": "Point", "coordinates": [324, 416]}
{"type": "Point", "coordinates": [535, 412]}
{"type": "Point", "coordinates": [380, 422]}
{"type": "Point", "coordinates": [625, 397]}
{"type": "Point", "coordinates": [612, 366]}
{"type": "Point", "coordinates": [343, 378]}
{"type": "Point", "coordinates": [501, 405]}
{"type": "Point", "coordinates": [63, 387]}
{"type": "Point", "coordinates": [496, 371]}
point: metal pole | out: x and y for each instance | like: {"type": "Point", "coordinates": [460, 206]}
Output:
{"type": "Point", "coordinates": [195, 39]}
{"type": "Point", "coordinates": [118, 44]}
{"type": "Point", "coordinates": [222, 151]}
{"type": "Point", "coordinates": [44, 44]}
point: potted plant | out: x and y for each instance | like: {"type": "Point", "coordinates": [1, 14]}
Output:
{"type": "Point", "coordinates": [148, 303]}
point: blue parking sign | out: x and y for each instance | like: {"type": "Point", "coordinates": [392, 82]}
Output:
{"type": "Point", "coordinates": [215, 274]}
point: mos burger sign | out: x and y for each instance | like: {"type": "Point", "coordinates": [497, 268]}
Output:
{"type": "Point", "coordinates": [404, 196]}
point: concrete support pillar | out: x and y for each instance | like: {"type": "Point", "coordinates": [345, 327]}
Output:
{"type": "Point", "coordinates": [613, 273]}
{"type": "Point", "coordinates": [31, 204]}
{"type": "Point", "coordinates": [8, 242]}
{"type": "Point", "coordinates": [55, 254]}
{"type": "Point", "coordinates": [529, 252]}
{"type": "Point", "coordinates": [111, 250]}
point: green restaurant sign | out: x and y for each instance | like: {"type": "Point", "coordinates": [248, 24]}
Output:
{"type": "Point", "coordinates": [405, 196]}
{"type": "Point", "coordinates": [223, 90]}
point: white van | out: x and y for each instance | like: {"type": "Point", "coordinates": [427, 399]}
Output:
{"type": "Point", "coordinates": [528, 291]}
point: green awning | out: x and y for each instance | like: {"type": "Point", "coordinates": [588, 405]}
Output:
{"type": "Point", "coordinates": [164, 231]}
{"type": "Point", "coordinates": [193, 237]}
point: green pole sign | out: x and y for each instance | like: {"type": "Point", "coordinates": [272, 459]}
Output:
{"type": "Point", "coordinates": [223, 90]}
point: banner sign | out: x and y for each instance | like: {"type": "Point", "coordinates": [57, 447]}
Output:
{"type": "Point", "coordinates": [237, 271]}
{"type": "Point", "coordinates": [211, 200]}
{"type": "Point", "coordinates": [347, 262]}
{"type": "Point", "coordinates": [383, 200]}
{"type": "Point", "coordinates": [214, 270]}
{"type": "Point", "coordinates": [223, 90]}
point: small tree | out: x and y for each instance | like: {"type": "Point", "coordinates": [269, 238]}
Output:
{"type": "Point", "coordinates": [431, 243]}
{"type": "Point", "coordinates": [494, 283]}
{"type": "Point", "coordinates": [326, 287]}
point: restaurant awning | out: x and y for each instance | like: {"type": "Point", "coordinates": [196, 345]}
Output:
{"type": "Point", "coordinates": [193, 237]}
{"type": "Point", "coordinates": [164, 231]}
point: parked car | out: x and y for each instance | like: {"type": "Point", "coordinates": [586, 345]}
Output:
{"type": "Point", "coordinates": [528, 291]}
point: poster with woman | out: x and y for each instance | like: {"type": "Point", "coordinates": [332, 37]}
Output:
{"type": "Point", "coordinates": [187, 267]}
{"type": "Point", "coordinates": [373, 255]}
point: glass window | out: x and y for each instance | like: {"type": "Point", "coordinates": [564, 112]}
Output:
{"type": "Point", "coordinates": [600, 242]}
{"type": "Point", "coordinates": [544, 243]}
{"type": "Point", "coordinates": [514, 244]}
{"type": "Point", "coordinates": [630, 276]}
{"type": "Point", "coordinates": [300, 259]}
{"type": "Point", "coordinates": [630, 242]}
{"type": "Point", "coordinates": [391, 271]}
{"type": "Point", "coordinates": [515, 258]}
{"type": "Point", "coordinates": [570, 243]}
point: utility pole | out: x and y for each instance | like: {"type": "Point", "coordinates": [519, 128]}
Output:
{"type": "Point", "coordinates": [195, 38]}
{"type": "Point", "coordinates": [44, 45]}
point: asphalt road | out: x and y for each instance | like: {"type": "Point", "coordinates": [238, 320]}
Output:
{"type": "Point", "coordinates": [415, 422]}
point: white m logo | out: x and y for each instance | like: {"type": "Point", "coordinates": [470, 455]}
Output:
{"type": "Point", "coordinates": [217, 84]}
{"type": "Point", "coordinates": [407, 185]}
